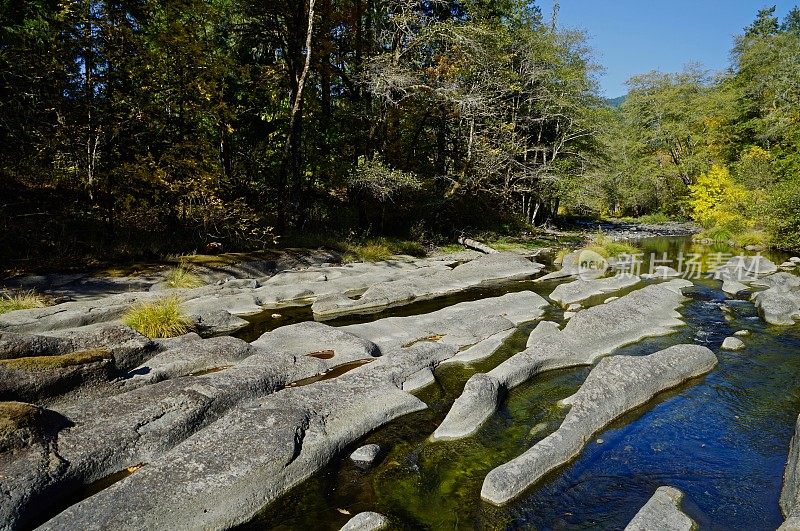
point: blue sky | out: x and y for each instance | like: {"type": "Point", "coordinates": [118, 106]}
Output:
{"type": "Point", "coordinates": [635, 36]}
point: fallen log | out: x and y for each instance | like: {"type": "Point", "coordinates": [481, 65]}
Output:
{"type": "Point", "coordinates": [476, 245]}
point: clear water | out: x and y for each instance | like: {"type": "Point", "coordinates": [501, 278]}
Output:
{"type": "Point", "coordinates": [722, 439]}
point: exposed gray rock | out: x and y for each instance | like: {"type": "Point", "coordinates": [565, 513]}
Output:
{"type": "Point", "coordinates": [574, 307]}
{"type": "Point", "coordinates": [222, 475]}
{"type": "Point", "coordinates": [782, 281]}
{"type": "Point", "coordinates": [191, 356]}
{"type": "Point", "coordinates": [745, 268]}
{"type": "Point", "coordinates": [662, 272]}
{"type": "Point", "coordinates": [367, 521]}
{"type": "Point", "coordinates": [732, 343]}
{"type": "Point", "coordinates": [38, 379]}
{"type": "Point", "coordinates": [126, 346]}
{"type": "Point", "coordinates": [795, 259]}
{"type": "Point", "coordinates": [460, 325]}
{"type": "Point", "coordinates": [366, 454]}
{"type": "Point", "coordinates": [332, 345]}
{"type": "Point", "coordinates": [790, 493]}
{"type": "Point", "coordinates": [788, 266]}
{"type": "Point", "coordinates": [617, 384]}
{"type": "Point", "coordinates": [580, 290]}
{"type": "Point", "coordinates": [418, 380]}
{"type": "Point", "coordinates": [112, 433]}
{"type": "Point", "coordinates": [571, 266]}
{"type": "Point", "coordinates": [662, 512]}
{"type": "Point", "coordinates": [592, 333]}
{"type": "Point", "coordinates": [216, 309]}
{"type": "Point", "coordinates": [481, 350]}
{"type": "Point", "coordinates": [610, 299]}
{"type": "Point", "coordinates": [742, 333]}
{"type": "Point", "coordinates": [438, 282]}
{"type": "Point", "coordinates": [733, 287]}
{"type": "Point", "coordinates": [779, 304]}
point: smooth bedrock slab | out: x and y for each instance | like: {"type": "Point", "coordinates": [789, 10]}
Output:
{"type": "Point", "coordinates": [590, 334]}
{"type": "Point", "coordinates": [617, 385]}
{"type": "Point", "coordinates": [662, 512]}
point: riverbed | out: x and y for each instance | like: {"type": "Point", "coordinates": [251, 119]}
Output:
{"type": "Point", "coordinates": [721, 439]}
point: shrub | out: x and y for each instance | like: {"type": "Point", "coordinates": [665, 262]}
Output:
{"type": "Point", "coordinates": [182, 277]}
{"type": "Point", "coordinates": [782, 217]}
{"type": "Point", "coordinates": [21, 301]}
{"type": "Point", "coordinates": [752, 237]}
{"type": "Point", "coordinates": [161, 318]}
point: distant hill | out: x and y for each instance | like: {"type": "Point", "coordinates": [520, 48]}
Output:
{"type": "Point", "coordinates": [616, 102]}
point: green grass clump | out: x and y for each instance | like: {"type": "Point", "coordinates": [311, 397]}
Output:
{"type": "Point", "coordinates": [161, 318]}
{"type": "Point", "coordinates": [42, 363]}
{"type": "Point", "coordinates": [561, 254]}
{"type": "Point", "coordinates": [182, 277]}
{"type": "Point", "coordinates": [655, 218]}
{"type": "Point", "coordinates": [21, 301]}
{"type": "Point", "coordinates": [606, 247]}
{"type": "Point", "coordinates": [752, 237]}
{"type": "Point", "coordinates": [380, 249]}
{"type": "Point", "coordinates": [717, 235]}
{"type": "Point", "coordinates": [451, 248]}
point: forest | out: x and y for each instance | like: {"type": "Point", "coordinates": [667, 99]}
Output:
{"type": "Point", "coordinates": [136, 128]}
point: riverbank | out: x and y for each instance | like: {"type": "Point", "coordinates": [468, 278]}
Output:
{"type": "Point", "coordinates": [139, 420]}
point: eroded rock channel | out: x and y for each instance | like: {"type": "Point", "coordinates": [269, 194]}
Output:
{"type": "Point", "coordinates": [498, 411]}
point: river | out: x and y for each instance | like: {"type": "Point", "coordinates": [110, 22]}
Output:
{"type": "Point", "coordinates": [721, 439]}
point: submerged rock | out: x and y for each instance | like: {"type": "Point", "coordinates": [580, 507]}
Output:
{"type": "Point", "coordinates": [594, 332]}
{"type": "Point", "coordinates": [662, 512]}
{"type": "Point", "coordinates": [617, 384]}
{"type": "Point", "coordinates": [488, 268]}
{"type": "Point", "coordinates": [580, 290]}
{"type": "Point", "coordinates": [367, 521]}
{"type": "Point", "coordinates": [366, 454]}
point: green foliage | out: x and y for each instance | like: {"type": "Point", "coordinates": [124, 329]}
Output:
{"type": "Point", "coordinates": [21, 301]}
{"type": "Point", "coordinates": [752, 237]}
{"type": "Point", "coordinates": [782, 216]}
{"type": "Point", "coordinates": [160, 318]}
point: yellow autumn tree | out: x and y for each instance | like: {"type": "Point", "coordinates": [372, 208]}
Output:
{"type": "Point", "coordinates": [715, 200]}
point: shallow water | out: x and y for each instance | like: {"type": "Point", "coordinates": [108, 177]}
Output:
{"type": "Point", "coordinates": [722, 439]}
